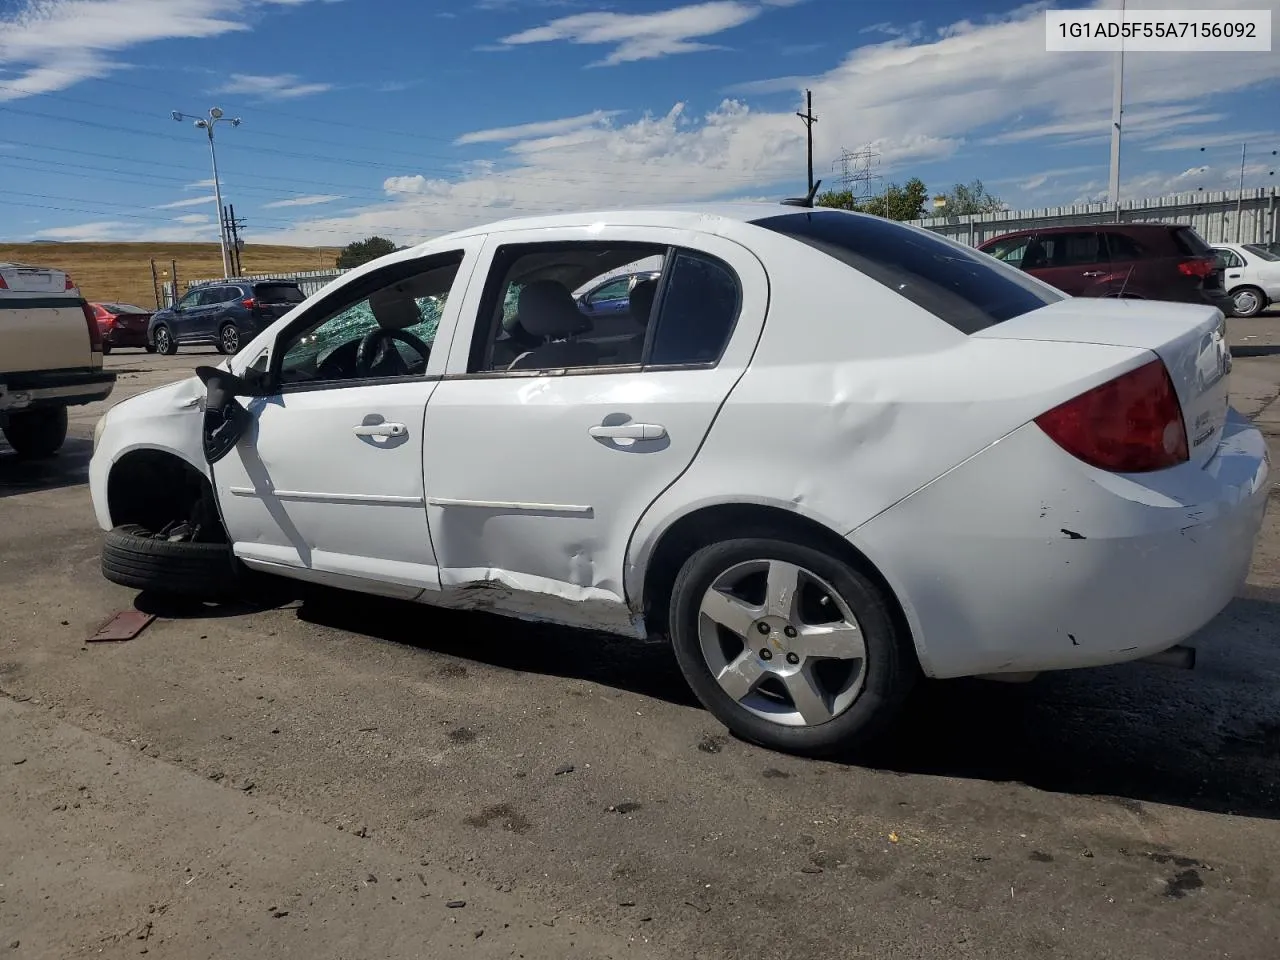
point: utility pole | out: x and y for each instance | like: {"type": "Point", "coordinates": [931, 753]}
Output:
{"type": "Point", "coordinates": [809, 120]}
{"type": "Point", "coordinates": [1117, 114]}
{"type": "Point", "coordinates": [232, 227]}
{"type": "Point", "coordinates": [1244, 151]}
{"type": "Point", "coordinates": [215, 115]}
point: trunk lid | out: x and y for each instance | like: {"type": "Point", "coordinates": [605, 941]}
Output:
{"type": "Point", "coordinates": [1190, 339]}
{"type": "Point", "coordinates": [20, 278]}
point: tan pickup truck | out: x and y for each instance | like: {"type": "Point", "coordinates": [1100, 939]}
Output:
{"type": "Point", "coordinates": [50, 357]}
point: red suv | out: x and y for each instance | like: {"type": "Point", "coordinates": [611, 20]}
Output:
{"type": "Point", "coordinates": [1148, 261]}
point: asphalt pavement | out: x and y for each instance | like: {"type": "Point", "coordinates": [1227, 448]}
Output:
{"type": "Point", "coordinates": [324, 778]}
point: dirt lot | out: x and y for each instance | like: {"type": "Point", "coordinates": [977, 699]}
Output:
{"type": "Point", "coordinates": [122, 271]}
{"type": "Point", "coordinates": [325, 778]}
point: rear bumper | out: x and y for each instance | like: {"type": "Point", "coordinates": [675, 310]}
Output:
{"type": "Point", "coordinates": [1024, 559]}
{"type": "Point", "coordinates": [54, 388]}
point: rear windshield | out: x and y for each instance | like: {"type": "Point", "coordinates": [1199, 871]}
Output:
{"type": "Point", "coordinates": [125, 308]}
{"type": "Point", "coordinates": [1260, 251]}
{"type": "Point", "coordinates": [278, 293]}
{"type": "Point", "coordinates": [1190, 243]}
{"type": "Point", "coordinates": [963, 287]}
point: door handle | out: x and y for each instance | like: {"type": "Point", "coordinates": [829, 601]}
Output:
{"type": "Point", "coordinates": [629, 431]}
{"type": "Point", "coordinates": [1234, 276]}
{"type": "Point", "coordinates": [380, 430]}
{"type": "Point", "coordinates": [1093, 273]}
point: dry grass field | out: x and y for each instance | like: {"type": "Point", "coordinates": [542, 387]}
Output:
{"type": "Point", "coordinates": [122, 271]}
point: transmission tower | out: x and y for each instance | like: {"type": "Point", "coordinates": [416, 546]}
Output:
{"type": "Point", "coordinates": [858, 173]}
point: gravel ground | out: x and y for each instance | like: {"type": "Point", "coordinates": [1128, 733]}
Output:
{"type": "Point", "coordinates": [324, 778]}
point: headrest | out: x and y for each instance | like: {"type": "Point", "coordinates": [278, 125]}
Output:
{"type": "Point", "coordinates": [546, 309]}
{"type": "Point", "coordinates": [394, 310]}
{"type": "Point", "coordinates": [642, 295]}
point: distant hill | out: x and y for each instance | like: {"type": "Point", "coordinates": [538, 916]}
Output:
{"type": "Point", "coordinates": [122, 271]}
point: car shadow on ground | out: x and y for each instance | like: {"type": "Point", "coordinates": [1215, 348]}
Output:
{"type": "Point", "coordinates": [1206, 739]}
{"type": "Point", "coordinates": [1261, 350]}
{"type": "Point", "coordinates": [69, 468]}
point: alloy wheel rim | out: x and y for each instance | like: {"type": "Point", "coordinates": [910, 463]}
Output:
{"type": "Point", "coordinates": [162, 339]}
{"type": "Point", "coordinates": [230, 339]}
{"type": "Point", "coordinates": [781, 643]}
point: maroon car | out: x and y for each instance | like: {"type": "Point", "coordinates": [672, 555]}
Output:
{"type": "Point", "coordinates": [122, 325]}
{"type": "Point", "coordinates": [1148, 261]}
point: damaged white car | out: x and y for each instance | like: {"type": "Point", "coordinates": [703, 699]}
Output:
{"type": "Point", "coordinates": [823, 453]}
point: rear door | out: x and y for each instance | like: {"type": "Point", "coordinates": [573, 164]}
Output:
{"type": "Point", "coordinates": [536, 478]}
{"type": "Point", "coordinates": [1076, 262]}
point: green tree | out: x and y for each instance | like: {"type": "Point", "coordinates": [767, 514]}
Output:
{"type": "Point", "coordinates": [967, 198]}
{"type": "Point", "coordinates": [905, 202]}
{"type": "Point", "coordinates": [362, 251]}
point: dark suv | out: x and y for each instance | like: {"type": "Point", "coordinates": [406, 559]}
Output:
{"type": "Point", "coordinates": [227, 314]}
{"type": "Point", "coordinates": [1148, 261]}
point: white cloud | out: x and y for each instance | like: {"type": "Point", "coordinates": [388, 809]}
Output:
{"type": "Point", "coordinates": [192, 218]}
{"type": "Point", "coordinates": [644, 36]}
{"type": "Point", "coordinates": [309, 201]}
{"type": "Point", "coordinates": [199, 185]}
{"type": "Point", "coordinates": [280, 86]}
{"type": "Point", "coordinates": [189, 202]}
{"type": "Point", "coordinates": [98, 230]}
{"type": "Point", "coordinates": [53, 44]}
{"type": "Point", "coordinates": [545, 128]}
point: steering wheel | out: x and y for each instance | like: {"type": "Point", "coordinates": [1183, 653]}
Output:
{"type": "Point", "coordinates": [366, 357]}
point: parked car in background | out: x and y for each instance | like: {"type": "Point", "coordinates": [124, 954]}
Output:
{"type": "Point", "coordinates": [614, 294]}
{"type": "Point", "coordinates": [50, 357]}
{"type": "Point", "coordinates": [122, 325]}
{"type": "Point", "coordinates": [226, 314]}
{"type": "Point", "coordinates": [1141, 261]}
{"type": "Point", "coordinates": [849, 452]}
{"type": "Point", "coordinates": [1252, 276]}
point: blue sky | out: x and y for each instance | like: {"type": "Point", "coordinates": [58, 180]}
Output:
{"type": "Point", "coordinates": [410, 118]}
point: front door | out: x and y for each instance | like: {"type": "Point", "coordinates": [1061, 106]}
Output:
{"type": "Point", "coordinates": [541, 459]}
{"type": "Point", "coordinates": [327, 477]}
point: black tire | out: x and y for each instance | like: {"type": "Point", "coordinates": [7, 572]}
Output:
{"type": "Point", "coordinates": [229, 339]}
{"type": "Point", "coordinates": [37, 433]}
{"type": "Point", "coordinates": [1255, 303]}
{"type": "Point", "coordinates": [106, 348]}
{"type": "Point", "coordinates": [164, 341]}
{"type": "Point", "coordinates": [890, 665]}
{"type": "Point", "coordinates": [131, 557]}
{"type": "Point", "coordinates": [150, 348]}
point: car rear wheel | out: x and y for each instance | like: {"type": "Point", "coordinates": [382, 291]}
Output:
{"type": "Point", "coordinates": [1247, 301]}
{"type": "Point", "coordinates": [106, 348]}
{"type": "Point", "coordinates": [788, 646]}
{"type": "Point", "coordinates": [136, 557]}
{"type": "Point", "coordinates": [37, 433]}
{"type": "Point", "coordinates": [229, 339]}
{"type": "Point", "coordinates": [164, 342]}
{"type": "Point", "coordinates": [151, 348]}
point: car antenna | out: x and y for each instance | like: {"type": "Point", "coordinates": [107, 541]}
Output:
{"type": "Point", "coordinates": [806, 200]}
{"type": "Point", "coordinates": [1126, 281]}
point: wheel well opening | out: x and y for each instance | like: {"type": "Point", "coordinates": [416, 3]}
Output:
{"type": "Point", "coordinates": [703, 527]}
{"type": "Point", "coordinates": [155, 489]}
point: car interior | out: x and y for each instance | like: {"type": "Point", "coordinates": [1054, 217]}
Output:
{"type": "Point", "coordinates": [536, 322]}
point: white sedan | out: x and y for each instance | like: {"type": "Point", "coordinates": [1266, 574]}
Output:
{"type": "Point", "coordinates": [1251, 276]}
{"type": "Point", "coordinates": [824, 453]}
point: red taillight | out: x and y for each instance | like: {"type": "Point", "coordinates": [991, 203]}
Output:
{"type": "Point", "coordinates": [249, 303]}
{"type": "Point", "coordinates": [1196, 268]}
{"type": "Point", "coordinates": [95, 333]}
{"type": "Point", "coordinates": [70, 283]}
{"type": "Point", "coordinates": [1132, 424]}
{"type": "Point", "coordinates": [3, 285]}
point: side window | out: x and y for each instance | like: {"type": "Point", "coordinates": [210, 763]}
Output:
{"type": "Point", "coordinates": [1229, 259]}
{"type": "Point", "coordinates": [1122, 247]}
{"type": "Point", "coordinates": [610, 291]}
{"type": "Point", "coordinates": [1011, 249]}
{"type": "Point", "coordinates": [1072, 249]}
{"type": "Point", "coordinates": [213, 295]}
{"type": "Point", "coordinates": [191, 299]}
{"type": "Point", "coordinates": [698, 311]}
{"type": "Point", "coordinates": [381, 326]}
{"type": "Point", "coordinates": [530, 320]}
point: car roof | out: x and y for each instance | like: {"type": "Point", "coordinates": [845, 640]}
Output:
{"type": "Point", "coordinates": [693, 216]}
{"type": "Point", "coordinates": [238, 280]}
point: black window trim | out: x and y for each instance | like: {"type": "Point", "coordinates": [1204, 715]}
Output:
{"type": "Point", "coordinates": [479, 351]}
{"type": "Point", "coordinates": [346, 297]}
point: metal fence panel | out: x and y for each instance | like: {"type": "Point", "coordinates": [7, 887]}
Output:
{"type": "Point", "coordinates": [1224, 216]}
{"type": "Point", "coordinates": [309, 281]}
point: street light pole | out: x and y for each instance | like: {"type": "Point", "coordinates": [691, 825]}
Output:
{"type": "Point", "coordinates": [1117, 118]}
{"type": "Point", "coordinates": [207, 125]}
